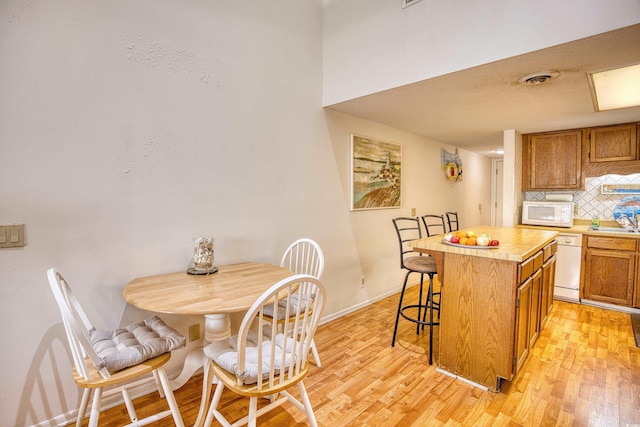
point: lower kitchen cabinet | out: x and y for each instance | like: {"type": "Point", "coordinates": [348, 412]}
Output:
{"type": "Point", "coordinates": [523, 315]}
{"type": "Point", "coordinates": [534, 315]}
{"type": "Point", "coordinates": [548, 283]}
{"type": "Point", "coordinates": [534, 300]}
{"type": "Point", "coordinates": [610, 270]}
{"type": "Point", "coordinates": [637, 288]}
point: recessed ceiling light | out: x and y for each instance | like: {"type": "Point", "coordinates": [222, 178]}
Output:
{"type": "Point", "coordinates": [538, 78]}
{"type": "Point", "coordinates": [618, 88]}
{"type": "Point", "coordinates": [500, 151]}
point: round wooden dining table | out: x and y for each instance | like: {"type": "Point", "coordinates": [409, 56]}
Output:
{"type": "Point", "coordinates": [233, 288]}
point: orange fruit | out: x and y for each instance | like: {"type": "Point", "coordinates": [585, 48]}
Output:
{"type": "Point", "coordinates": [461, 234]}
{"type": "Point", "coordinates": [471, 241]}
{"type": "Point", "coordinates": [463, 240]}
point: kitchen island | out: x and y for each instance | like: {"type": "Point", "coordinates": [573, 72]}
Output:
{"type": "Point", "coordinates": [494, 301]}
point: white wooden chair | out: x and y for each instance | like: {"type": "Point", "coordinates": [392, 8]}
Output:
{"type": "Point", "coordinates": [304, 256]}
{"type": "Point", "coordinates": [113, 359]}
{"type": "Point", "coordinates": [267, 358]}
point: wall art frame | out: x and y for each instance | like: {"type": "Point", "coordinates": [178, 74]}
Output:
{"type": "Point", "coordinates": [376, 174]}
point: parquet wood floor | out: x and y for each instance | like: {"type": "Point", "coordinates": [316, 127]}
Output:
{"type": "Point", "coordinates": [583, 371]}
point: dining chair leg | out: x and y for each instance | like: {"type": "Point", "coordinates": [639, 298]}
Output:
{"type": "Point", "coordinates": [171, 399]}
{"type": "Point", "coordinates": [129, 405]}
{"type": "Point", "coordinates": [214, 405]}
{"type": "Point", "coordinates": [307, 404]}
{"type": "Point", "coordinates": [158, 384]}
{"type": "Point", "coordinates": [95, 407]}
{"type": "Point", "coordinates": [316, 356]}
{"type": "Point", "coordinates": [395, 329]}
{"type": "Point", "coordinates": [253, 409]}
{"type": "Point", "coordinates": [82, 409]}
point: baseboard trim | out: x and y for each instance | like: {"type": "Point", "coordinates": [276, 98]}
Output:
{"type": "Point", "coordinates": [360, 305]}
{"type": "Point", "coordinates": [613, 307]}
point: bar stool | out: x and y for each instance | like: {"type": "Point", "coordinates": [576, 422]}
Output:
{"type": "Point", "coordinates": [408, 229]}
{"type": "Point", "coordinates": [434, 224]}
{"type": "Point", "coordinates": [452, 219]}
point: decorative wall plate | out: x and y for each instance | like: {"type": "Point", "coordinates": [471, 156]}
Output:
{"type": "Point", "coordinates": [452, 172]}
{"type": "Point", "coordinates": [628, 206]}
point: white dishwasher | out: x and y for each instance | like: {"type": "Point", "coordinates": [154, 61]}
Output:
{"type": "Point", "coordinates": [568, 263]}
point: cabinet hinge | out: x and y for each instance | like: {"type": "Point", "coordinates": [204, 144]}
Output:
{"type": "Point", "coordinates": [517, 302]}
{"type": "Point", "coordinates": [514, 361]}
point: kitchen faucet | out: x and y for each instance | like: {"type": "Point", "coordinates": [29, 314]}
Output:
{"type": "Point", "coordinates": [631, 219]}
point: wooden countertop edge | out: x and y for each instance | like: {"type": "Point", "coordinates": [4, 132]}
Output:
{"type": "Point", "coordinates": [507, 252]}
{"type": "Point", "coordinates": [582, 227]}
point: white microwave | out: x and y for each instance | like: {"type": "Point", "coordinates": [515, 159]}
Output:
{"type": "Point", "coordinates": [552, 214]}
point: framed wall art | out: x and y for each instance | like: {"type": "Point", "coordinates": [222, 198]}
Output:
{"type": "Point", "coordinates": [376, 170]}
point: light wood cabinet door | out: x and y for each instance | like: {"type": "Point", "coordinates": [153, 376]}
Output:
{"type": "Point", "coordinates": [613, 143]}
{"type": "Point", "coordinates": [609, 276]}
{"type": "Point", "coordinates": [553, 161]}
{"type": "Point", "coordinates": [548, 284]}
{"type": "Point", "coordinates": [534, 309]}
{"type": "Point", "coordinates": [637, 285]}
{"type": "Point", "coordinates": [523, 315]}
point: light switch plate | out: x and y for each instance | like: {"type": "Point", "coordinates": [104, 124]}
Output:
{"type": "Point", "coordinates": [11, 236]}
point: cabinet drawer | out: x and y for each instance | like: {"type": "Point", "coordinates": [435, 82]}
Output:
{"type": "Point", "coordinates": [528, 266]}
{"type": "Point", "coordinates": [537, 261]}
{"type": "Point", "coordinates": [525, 270]}
{"type": "Point", "coordinates": [615, 243]}
{"type": "Point", "coordinates": [549, 250]}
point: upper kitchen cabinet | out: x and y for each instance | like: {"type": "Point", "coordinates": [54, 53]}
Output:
{"type": "Point", "coordinates": [613, 149]}
{"type": "Point", "coordinates": [553, 160]}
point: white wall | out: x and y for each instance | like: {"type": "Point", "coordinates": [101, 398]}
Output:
{"type": "Point", "coordinates": [424, 187]}
{"type": "Point", "coordinates": [127, 129]}
{"type": "Point", "coordinates": [373, 45]}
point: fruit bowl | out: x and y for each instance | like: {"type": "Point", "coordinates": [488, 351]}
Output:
{"type": "Point", "coordinates": [468, 239]}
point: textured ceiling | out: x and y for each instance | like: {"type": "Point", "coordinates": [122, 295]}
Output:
{"type": "Point", "coordinates": [470, 108]}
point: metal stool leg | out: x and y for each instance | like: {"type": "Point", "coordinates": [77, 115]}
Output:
{"type": "Point", "coordinates": [395, 329]}
{"type": "Point", "coordinates": [431, 320]}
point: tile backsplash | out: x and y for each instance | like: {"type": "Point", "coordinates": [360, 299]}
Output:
{"type": "Point", "coordinates": [590, 201]}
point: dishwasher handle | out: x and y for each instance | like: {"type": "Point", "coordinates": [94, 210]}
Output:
{"type": "Point", "coordinates": [569, 239]}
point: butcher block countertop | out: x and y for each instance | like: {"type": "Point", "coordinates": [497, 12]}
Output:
{"type": "Point", "coordinates": [582, 226]}
{"type": "Point", "coordinates": [516, 244]}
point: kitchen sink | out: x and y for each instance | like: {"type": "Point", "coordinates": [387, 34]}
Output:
{"type": "Point", "coordinates": [614, 230]}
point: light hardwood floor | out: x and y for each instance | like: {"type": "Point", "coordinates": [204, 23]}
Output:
{"type": "Point", "coordinates": [583, 371]}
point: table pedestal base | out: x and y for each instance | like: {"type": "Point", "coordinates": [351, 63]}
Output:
{"type": "Point", "coordinates": [216, 327]}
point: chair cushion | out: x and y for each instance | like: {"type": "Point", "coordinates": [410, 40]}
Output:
{"type": "Point", "coordinates": [282, 306]}
{"type": "Point", "coordinates": [225, 354]}
{"type": "Point", "coordinates": [421, 264]}
{"type": "Point", "coordinates": [124, 347]}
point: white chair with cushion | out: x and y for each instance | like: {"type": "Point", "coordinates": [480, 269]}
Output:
{"type": "Point", "coordinates": [267, 358]}
{"type": "Point", "coordinates": [113, 359]}
{"type": "Point", "coordinates": [304, 256]}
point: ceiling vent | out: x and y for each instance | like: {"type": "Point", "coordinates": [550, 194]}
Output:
{"type": "Point", "coordinates": [536, 79]}
{"type": "Point", "coordinates": [406, 3]}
